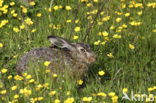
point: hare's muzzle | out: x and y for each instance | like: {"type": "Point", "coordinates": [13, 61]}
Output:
{"type": "Point", "coordinates": [92, 59]}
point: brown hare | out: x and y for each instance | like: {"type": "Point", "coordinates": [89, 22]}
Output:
{"type": "Point", "coordinates": [62, 54]}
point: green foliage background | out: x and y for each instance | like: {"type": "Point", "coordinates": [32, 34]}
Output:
{"type": "Point", "coordinates": [132, 69]}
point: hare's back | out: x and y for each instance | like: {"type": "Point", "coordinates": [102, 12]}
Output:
{"type": "Point", "coordinates": [37, 55]}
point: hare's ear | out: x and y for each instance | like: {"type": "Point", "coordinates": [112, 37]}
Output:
{"type": "Point", "coordinates": [61, 43]}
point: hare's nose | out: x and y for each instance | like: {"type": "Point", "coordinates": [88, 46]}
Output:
{"type": "Point", "coordinates": [95, 57]}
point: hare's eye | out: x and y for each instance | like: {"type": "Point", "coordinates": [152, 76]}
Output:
{"type": "Point", "coordinates": [83, 50]}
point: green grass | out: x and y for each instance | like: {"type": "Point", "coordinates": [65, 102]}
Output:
{"type": "Point", "coordinates": [134, 69]}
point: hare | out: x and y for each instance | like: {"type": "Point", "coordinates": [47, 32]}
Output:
{"type": "Point", "coordinates": [62, 54]}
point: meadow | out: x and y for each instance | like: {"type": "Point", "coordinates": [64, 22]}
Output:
{"type": "Point", "coordinates": [121, 32]}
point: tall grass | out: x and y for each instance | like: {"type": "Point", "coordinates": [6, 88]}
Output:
{"type": "Point", "coordinates": [123, 36]}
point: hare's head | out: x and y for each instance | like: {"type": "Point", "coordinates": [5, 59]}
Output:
{"type": "Point", "coordinates": [79, 51]}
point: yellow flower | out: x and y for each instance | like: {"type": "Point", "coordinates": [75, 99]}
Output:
{"type": "Point", "coordinates": [33, 30]}
{"type": "Point", "coordinates": [28, 21]}
{"type": "Point", "coordinates": [147, 99]}
{"type": "Point", "coordinates": [115, 99]}
{"type": "Point", "coordinates": [46, 85]}
{"type": "Point", "coordinates": [15, 29]}
{"type": "Point", "coordinates": [103, 43]}
{"type": "Point", "coordinates": [111, 94]}
{"type": "Point", "coordinates": [17, 77]}
{"type": "Point", "coordinates": [80, 82]}
{"type": "Point", "coordinates": [84, 1]}
{"type": "Point", "coordinates": [56, 101]}
{"type": "Point", "coordinates": [105, 33]}
{"type": "Point", "coordinates": [3, 92]}
{"type": "Point", "coordinates": [99, 33]}
{"type": "Point", "coordinates": [39, 15]}
{"type": "Point", "coordinates": [139, 13]}
{"type": "Point", "coordinates": [4, 70]}
{"type": "Point", "coordinates": [32, 3]}
{"type": "Point", "coordinates": [99, 23]}
{"type": "Point", "coordinates": [1, 45]}
{"type": "Point", "coordinates": [94, 11]}
{"type": "Point", "coordinates": [47, 63]}
{"type": "Point", "coordinates": [96, 1]}
{"type": "Point", "coordinates": [102, 12]}
{"type": "Point", "coordinates": [154, 30]}
{"type": "Point", "coordinates": [22, 26]}
{"type": "Point", "coordinates": [87, 99]}
{"type": "Point", "coordinates": [151, 95]}
{"type": "Point", "coordinates": [116, 36]}
{"type": "Point", "coordinates": [127, 14]}
{"type": "Point", "coordinates": [68, 21]}
{"type": "Point", "coordinates": [76, 21]}
{"type": "Point", "coordinates": [118, 13]}
{"type": "Point", "coordinates": [130, 6]}
{"type": "Point", "coordinates": [106, 38]}
{"type": "Point", "coordinates": [106, 18]}
{"type": "Point", "coordinates": [54, 27]}
{"type": "Point", "coordinates": [47, 71]}
{"type": "Point", "coordinates": [33, 100]}
{"type": "Point", "coordinates": [136, 5]}
{"type": "Point", "coordinates": [68, 8]}
{"type": "Point", "coordinates": [134, 23]}
{"type": "Point", "coordinates": [12, 3]}
{"type": "Point", "coordinates": [4, 22]}
{"type": "Point", "coordinates": [68, 93]}
{"type": "Point", "coordinates": [123, 5]}
{"type": "Point", "coordinates": [52, 93]}
{"type": "Point", "coordinates": [13, 88]}
{"type": "Point", "coordinates": [110, 55]}
{"type": "Point", "coordinates": [60, 7]}
{"type": "Point", "coordinates": [12, 11]}
{"type": "Point", "coordinates": [101, 73]}
{"type": "Point", "coordinates": [28, 77]}
{"type": "Point", "coordinates": [77, 29]}
{"type": "Point", "coordinates": [153, 5]}
{"type": "Point", "coordinates": [16, 96]}
{"type": "Point", "coordinates": [39, 87]}
{"type": "Point", "coordinates": [49, 9]}
{"type": "Point", "coordinates": [89, 17]}
{"type": "Point", "coordinates": [150, 89]}
{"type": "Point", "coordinates": [97, 42]}
{"type": "Point", "coordinates": [25, 74]}
{"type": "Point", "coordinates": [75, 37]}
{"type": "Point", "coordinates": [131, 46]}
{"type": "Point", "coordinates": [5, 11]}
{"type": "Point", "coordinates": [118, 20]}
{"type": "Point", "coordinates": [112, 27]}
{"type": "Point", "coordinates": [24, 10]}
{"type": "Point", "coordinates": [55, 75]}
{"type": "Point", "coordinates": [124, 26]}
{"type": "Point", "coordinates": [14, 14]}
{"type": "Point", "coordinates": [69, 100]}
{"type": "Point", "coordinates": [125, 90]}
{"type": "Point", "coordinates": [27, 92]}
{"type": "Point", "coordinates": [40, 98]}
{"type": "Point", "coordinates": [102, 94]}
{"type": "Point", "coordinates": [89, 4]}
{"type": "Point", "coordinates": [31, 81]}
{"type": "Point", "coordinates": [10, 76]}
{"type": "Point", "coordinates": [56, 7]}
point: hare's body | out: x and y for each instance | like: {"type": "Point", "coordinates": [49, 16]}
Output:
{"type": "Point", "coordinates": [63, 54]}
{"type": "Point", "coordinates": [58, 58]}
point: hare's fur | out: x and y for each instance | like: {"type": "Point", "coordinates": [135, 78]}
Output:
{"type": "Point", "coordinates": [62, 54]}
